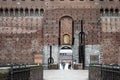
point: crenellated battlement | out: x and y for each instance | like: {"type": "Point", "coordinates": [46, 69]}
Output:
{"type": "Point", "coordinates": [54, 4]}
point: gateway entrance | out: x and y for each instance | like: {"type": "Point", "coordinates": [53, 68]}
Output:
{"type": "Point", "coordinates": [66, 55]}
{"type": "Point", "coordinates": [65, 58]}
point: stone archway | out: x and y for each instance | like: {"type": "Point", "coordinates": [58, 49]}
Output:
{"type": "Point", "coordinates": [66, 30]}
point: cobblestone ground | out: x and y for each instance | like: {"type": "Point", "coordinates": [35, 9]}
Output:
{"type": "Point", "coordinates": [65, 74]}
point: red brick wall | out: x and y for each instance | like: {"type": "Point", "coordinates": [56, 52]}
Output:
{"type": "Point", "coordinates": [110, 48]}
{"type": "Point", "coordinates": [20, 35]}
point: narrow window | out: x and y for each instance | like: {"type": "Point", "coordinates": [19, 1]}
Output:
{"type": "Point", "coordinates": [106, 10]}
{"type": "Point", "coordinates": [1, 11]}
{"type": "Point", "coordinates": [11, 12]}
{"type": "Point", "coordinates": [31, 12]}
{"type": "Point", "coordinates": [91, 0]}
{"type": "Point", "coordinates": [36, 12]}
{"type": "Point", "coordinates": [116, 10]}
{"type": "Point", "coordinates": [21, 11]}
{"type": "Point", "coordinates": [16, 12]}
{"type": "Point", "coordinates": [42, 11]}
{"type": "Point", "coordinates": [26, 12]}
{"type": "Point", "coordinates": [101, 11]}
{"type": "Point", "coordinates": [6, 12]}
{"type": "Point", "coordinates": [111, 11]}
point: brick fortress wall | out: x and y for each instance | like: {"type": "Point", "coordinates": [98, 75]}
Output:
{"type": "Point", "coordinates": [20, 39]}
{"type": "Point", "coordinates": [25, 34]}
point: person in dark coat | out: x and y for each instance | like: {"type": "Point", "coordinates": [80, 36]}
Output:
{"type": "Point", "coordinates": [69, 67]}
{"type": "Point", "coordinates": [63, 64]}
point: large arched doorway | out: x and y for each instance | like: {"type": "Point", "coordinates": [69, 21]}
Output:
{"type": "Point", "coordinates": [66, 30]}
{"type": "Point", "coordinates": [66, 40]}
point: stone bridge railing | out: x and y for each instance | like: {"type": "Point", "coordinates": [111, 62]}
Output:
{"type": "Point", "coordinates": [21, 72]}
{"type": "Point", "coordinates": [104, 72]}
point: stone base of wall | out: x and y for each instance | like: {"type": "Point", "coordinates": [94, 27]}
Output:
{"type": "Point", "coordinates": [53, 66]}
{"type": "Point", "coordinates": [78, 66]}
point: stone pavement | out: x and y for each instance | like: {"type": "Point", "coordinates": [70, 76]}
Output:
{"type": "Point", "coordinates": [65, 75]}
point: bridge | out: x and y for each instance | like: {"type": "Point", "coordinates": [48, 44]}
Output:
{"type": "Point", "coordinates": [65, 75]}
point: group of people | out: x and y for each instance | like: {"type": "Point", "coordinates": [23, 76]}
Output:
{"type": "Point", "coordinates": [65, 65]}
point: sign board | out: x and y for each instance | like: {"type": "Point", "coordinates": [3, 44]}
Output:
{"type": "Point", "coordinates": [94, 58]}
{"type": "Point", "coordinates": [38, 58]}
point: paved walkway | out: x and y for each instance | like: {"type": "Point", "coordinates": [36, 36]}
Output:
{"type": "Point", "coordinates": [65, 74]}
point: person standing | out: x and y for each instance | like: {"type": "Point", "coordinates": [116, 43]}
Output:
{"type": "Point", "coordinates": [63, 64]}
{"type": "Point", "coordinates": [66, 66]}
{"type": "Point", "coordinates": [69, 66]}
{"type": "Point", "coordinates": [74, 63]}
{"type": "Point", "coordinates": [60, 66]}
